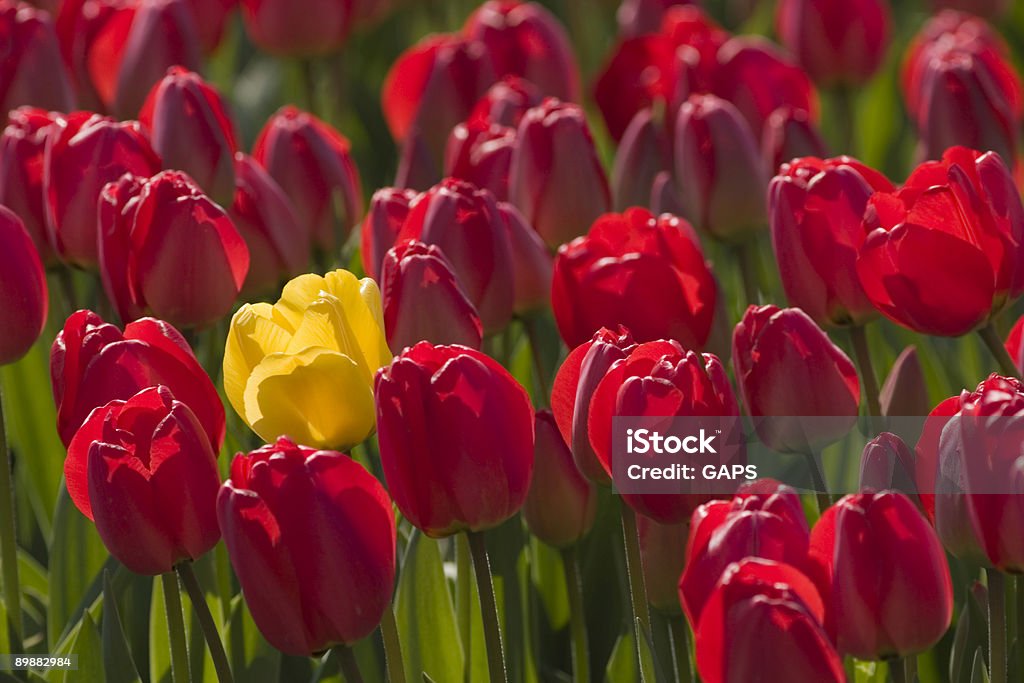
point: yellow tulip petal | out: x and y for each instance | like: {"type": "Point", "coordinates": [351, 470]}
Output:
{"type": "Point", "coordinates": [295, 298]}
{"type": "Point", "coordinates": [325, 325]}
{"type": "Point", "coordinates": [318, 397]}
{"type": "Point", "coordinates": [252, 336]}
{"type": "Point", "coordinates": [362, 304]}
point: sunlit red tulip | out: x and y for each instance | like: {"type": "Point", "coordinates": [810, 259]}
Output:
{"type": "Point", "coordinates": [645, 272]}
{"type": "Point", "coordinates": [506, 101]}
{"type": "Point", "coordinates": [311, 536]}
{"type": "Point", "coordinates": [23, 287]}
{"type": "Point", "coordinates": [385, 216]}
{"type": "Point", "coordinates": [456, 438]}
{"type": "Point", "coordinates": [887, 463]}
{"type": "Point", "coordinates": [32, 73]}
{"type": "Point", "coordinates": [297, 28]}
{"type": "Point", "coordinates": [1015, 343]}
{"type": "Point", "coordinates": [481, 153]}
{"type": "Point", "coordinates": [22, 154]}
{"type": "Point", "coordinates": [788, 134]}
{"type": "Point", "coordinates": [532, 263]}
{"type": "Point", "coordinates": [145, 472]}
{"type": "Point", "coordinates": [663, 556]}
{"type": "Point", "coordinates": [984, 8]}
{"type": "Point", "coordinates": [643, 153]}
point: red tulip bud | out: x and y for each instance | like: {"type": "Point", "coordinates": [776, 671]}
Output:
{"type": "Point", "coordinates": [789, 134]}
{"type": "Point", "coordinates": [532, 263]}
{"type": "Point", "coordinates": [888, 464]}
{"type": "Point", "coordinates": [211, 17]}
{"type": "Point", "coordinates": [663, 556]}
{"type": "Point", "coordinates": [23, 287]}
{"type": "Point", "coordinates": [297, 28]}
{"type": "Point", "coordinates": [506, 102]}
{"type": "Point", "coordinates": [389, 207]}
{"type": "Point", "coordinates": [22, 153]}
{"type": "Point", "coordinates": [32, 72]}
{"type": "Point", "coordinates": [481, 153]}
{"type": "Point", "coordinates": [643, 153]}
{"type": "Point", "coordinates": [904, 392]}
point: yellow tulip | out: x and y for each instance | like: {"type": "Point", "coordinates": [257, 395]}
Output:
{"type": "Point", "coordinates": [304, 367]}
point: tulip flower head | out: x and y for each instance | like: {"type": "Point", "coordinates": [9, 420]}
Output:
{"type": "Point", "coordinates": [32, 73]}
{"type": "Point", "coordinates": [22, 289]}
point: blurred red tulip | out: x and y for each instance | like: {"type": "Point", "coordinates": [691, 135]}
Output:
{"type": "Point", "coordinates": [942, 253]}
{"type": "Point", "coordinates": [506, 102]}
{"type": "Point", "coordinates": [881, 540]}
{"type": "Point", "coordinates": [663, 556]}
{"type": "Point", "coordinates": [984, 8]}
{"type": "Point", "coordinates": [32, 73]}
{"type": "Point", "coordinates": [310, 160]}
{"type": "Point", "coordinates": [788, 134]}
{"type": "Point", "coordinates": [145, 472]}
{"type": "Point", "coordinates": [297, 28]}
{"type": "Point", "coordinates": [22, 289]}
{"type": "Point", "coordinates": [887, 463]}
{"type": "Point", "coordinates": [904, 392]}
{"type": "Point", "coordinates": [774, 350]}
{"type": "Point", "coordinates": [643, 153]}
{"type": "Point", "coordinates": [456, 438]}
{"type": "Point", "coordinates": [532, 263]}
{"type": "Point", "coordinates": [84, 152]}
{"type": "Point", "coordinates": [481, 153]}
{"type": "Point", "coordinates": [311, 536]}
{"type": "Point", "coordinates": [389, 207]}
{"type": "Point", "coordinates": [211, 18]}
{"type": "Point", "coordinates": [191, 129]}
{"type": "Point", "coordinates": [1015, 343]}
{"type": "Point", "coordinates": [93, 363]}
{"type": "Point", "coordinates": [815, 208]}
{"type": "Point", "coordinates": [636, 17]}
{"type": "Point", "coordinates": [645, 272]}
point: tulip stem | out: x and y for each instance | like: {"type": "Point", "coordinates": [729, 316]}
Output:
{"type": "Point", "coordinates": [577, 616]}
{"type": "Point", "coordinates": [862, 350]}
{"type": "Point", "coordinates": [680, 648]}
{"type": "Point", "coordinates": [543, 391]}
{"type": "Point", "coordinates": [206, 622]}
{"type": "Point", "coordinates": [996, 626]}
{"type": "Point", "coordinates": [488, 607]}
{"type": "Point", "coordinates": [463, 593]}
{"type": "Point", "coordinates": [392, 647]}
{"type": "Point", "coordinates": [845, 115]}
{"type": "Point", "coordinates": [818, 481]}
{"type": "Point", "coordinates": [9, 542]}
{"type": "Point", "coordinates": [995, 346]}
{"type": "Point", "coordinates": [349, 665]}
{"type": "Point", "coordinates": [309, 85]}
{"type": "Point", "coordinates": [180, 672]}
{"type": "Point", "coordinates": [637, 592]}
{"type": "Point", "coordinates": [746, 257]}
{"type": "Point", "coordinates": [896, 670]}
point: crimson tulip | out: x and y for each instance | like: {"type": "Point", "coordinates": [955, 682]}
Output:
{"type": "Point", "coordinates": [1015, 343]}
{"type": "Point", "coordinates": [815, 209]}
{"type": "Point", "coordinates": [941, 254]}
{"type": "Point", "coordinates": [788, 134]}
{"type": "Point", "coordinates": [506, 102]}
{"type": "Point", "coordinates": [774, 350]}
{"type": "Point", "coordinates": [983, 8]}
{"type": "Point", "coordinates": [644, 152]}
{"type": "Point", "coordinates": [32, 73]}
{"type": "Point", "coordinates": [645, 272]}
{"type": "Point", "coordinates": [663, 556]}
{"type": "Point", "coordinates": [22, 153]}
{"type": "Point", "coordinates": [881, 540]}
{"type": "Point", "coordinates": [456, 438]}
{"type": "Point", "coordinates": [310, 160]}
{"type": "Point", "coordinates": [532, 263]}
{"type": "Point", "coordinates": [904, 392]}
{"type": "Point", "coordinates": [22, 289]}
{"type": "Point", "coordinates": [144, 471]}
{"type": "Point", "coordinates": [311, 536]}
{"type": "Point", "coordinates": [887, 463]}
{"type": "Point", "coordinates": [388, 209]}
{"type": "Point", "coordinates": [93, 363]}
{"type": "Point", "coordinates": [303, 28]}
{"type": "Point", "coordinates": [211, 18]}
{"type": "Point", "coordinates": [480, 152]}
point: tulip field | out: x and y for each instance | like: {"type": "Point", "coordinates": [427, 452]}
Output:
{"type": "Point", "coordinates": [512, 341]}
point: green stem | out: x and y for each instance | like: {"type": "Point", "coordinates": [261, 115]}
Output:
{"type": "Point", "coordinates": [308, 85]}
{"type": "Point", "coordinates": [845, 116]}
{"type": "Point", "coordinates": [67, 288]}
{"type": "Point", "coordinates": [488, 607]}
{"type": "Point", "coordinates": [910, 668]}
{"type": "Point", "coordinates": [996, 626]}
{"type": "Point", "coordinates": [392, 647]}
{"type": "Point", "coordinates": [680, 648]}
{"type": "Point", "coordinates": [349, 665]}
{"type": "Point", "coordinates": [543, 385]}
{"type": "Point", "coordinates": [862, 351]}
{"type": "Point", "coordinates": [9, 541]}
{"type": "Point", "coordinates": [746, 258]}
{"type": "Point", "coordinates": [897, 671]}
{"type": "Point", "coordinates": [818, 480]}
{"type": "Point", "coordinates": [175, 628]}
{"type": "Point", "coordinates": [637, 591]}
{"type": "Point", "coordinates": [995, 346]}
{"type": "Point", "coordinates": [577, 616]}
{"type": "Point", "coordinates": [463, 594]}
{"type": "Point", "coordinates": [206, 622]}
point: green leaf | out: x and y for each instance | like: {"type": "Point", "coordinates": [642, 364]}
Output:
{"type": "Point", "coordinates": [252, 657]}
{"type": "Point", "coordinates": [32, 577]}
{"type": "Point", "coordinates": [979, 674]}
{"type": "Point", "coordinates": [871, 672]}
{"type": "Point", "coordinates": [959, 664]}
{"type": "Point", "coordinates": [549, 581]}
{"type": "Point", "coordinates": [425, 614]}
{"type": "Point", "coordinates": [622, 665]}
{"type": "Point", "coordinates": [117, 657]}
{"type": "Point", "coordinates": [88, 645]}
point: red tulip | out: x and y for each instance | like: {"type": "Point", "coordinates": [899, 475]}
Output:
{"type": "Point", "coordinates": [93, 363]}
{"type": "Point", "coordinates": [888, 464]}
{"type": "Point", "coordinates": [644, 152]}
{"type": "Point", "coordinates": [481, 153]}
{"type": "Point", "coordinates": [297, 28]}
{"type": "Point", "coordinates": [788, 134]}
{"type": "Point", "coordinates": [456, 438]}
{"type": "Point", "coordinates": [636, 17]}
{"type": "Point", "coordinates": [904, 392]}
{"type": "Point", "coordinates": [92, 37]}
{"type": "Point", "coordinates": [1015, 343]}
{"type": "Point", "coordinates": [881, 540]}
{"type": "Point", "coordinates": [145, 472]}
{"type": "Point", "coordinates": [984, 8]}
{"type": "Point", "coordinates": [118, 204]}
{"type": "Point", "coordinates": [815, 208]}
{"type": "Point", "coordinates": [556, 179]}
{"type": "Point", "coordinates": [22, 288]}
{"type": "Point", "coordinates": [468, 227]}
{"type": "Point", "coordinates": [762, 624]}
{"type": "Point", "coordinates": [837, 43]}
{"type": "Point", "coordinates": [526, 40]}
{"type": "Point", "coordinates": [85, 152]}
{"type": "Point", "coordinates": [191, 129]}
{"type": "Point", "coordinates": [311, 536]}
{"type": "Point", "coordinates": [211, 18]}
{"type": "Point", "coordinates": [721, 176]}
{"type": "Point", "coordinates": [22, 153]}
{"type": "Point", "coordinates": [561, 505]}
{"type": "Point", "coordinates": [774, 350]}
{"type": "Point", "coordinates": [646, 273]}
{"type": "Point", "coordinates": [32, 72]}
{"type": "Point", "coordinates": [389, 207]}
{"type": "Point", "coordinates": [532, 263]}
{"type": "Point", "coordinates": [506, 102]}
{"type": "Point", "coordinates": [278, 245]}
{"type": "Point", "coordinates": [764, 520]}
{"type": "Point", "coordinates": [663, 556]}
{"type": "Point", "coordinates": [942, 253]}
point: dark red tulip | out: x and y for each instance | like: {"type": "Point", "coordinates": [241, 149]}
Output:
{"type": "Point", "coordinates": [887, 463]}
{"type": "Point", "coordinates": [211, 18]}
{"type": "Point", "coordinates": [468, 227]}
{"type": "Point", "coordinates": [532, 263]}
{"type": "Point", "coordinates": [145, 472]}
{"type": "Point", "coordinates": [481, 153]}
{"type": "Point", "coordinates": [388, 209]}
{"type": "Point", "coordinates": [663, 556]}
{"type": "Point", "coordinates": [297, 28]}
{"type": "Point", "coordinates": [456, 438]}
{"type": "Point", "coordinates": [22, 288]}
{"type": "Point", "coordinates": [506, 101]}
{"type": "Point", "coordinates": [423, 300]}
{"type": "Point", "coordinates": [774, 350]}
{"type": "Point", "coordinates": [22, 155]}
{"type": "Point", "coordinates": [788, 134]}
{"type": "Point", "coordinates": [526, 40]}
{"type": "Point", "coordinates": [983, 8]}
{"type": "Point", "coordinates": [815, 209]}
{"type": "Point", "coordinates": [645, 272]}
{"type": "Point", "coordinates": [904, 392]}
{"type": "Point", "coordinates": [881, 540]}
{"type": "Point", "coordinates": [310, 160]}
{"type": "Point", "coordinates": [942, 253]}
{"type": "Point", "coordinates": [764, 520]}
{"type": "Point", "coordinates": [556, 179]}
{"type": "Point", "coordinates": [279, 247]}
{"type": "Point", "coordinates": [837, 43]}
{"type": "Point", "coordinates": [93, 363]}
{"type": "Point", "coordinates": [762, 624]}
{"type": "Point", "coordinates": [164, 227]}
{"type": "Point", "coordinates": [1015, 343]}
{"type": "Point", "coordinates": [92, 37]}
{"type": "Point", "coordinates": [644, 152]}
{"type": "Point", "coordinates": [190, 127]}
{"type": "Point", "coordinates": [636, 17]}
{"type": "Point", "coordinates": [32, 73]}
{"type": "Point", "coordinates": [562, 504]}
{"type": "Point", "coordinates": [311, 536]}
{"type": "Point", "coordinates": [718, 166]}
{"type": "Point", "coordinates": [85, 152]}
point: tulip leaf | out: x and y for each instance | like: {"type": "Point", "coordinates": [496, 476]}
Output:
{"type": "Point", "coordinates": [958, 662]}
{"type": "Point", "coordinates": [426, 615]}
{"type": "Point", "coordinates": [117, 657]}
{"type": "Point", "coordinates": [88, 645]}
{"type": "Point", "coordinates": [623, 665]}
{"type": "Point", "coordinates": [979, 674]}
{"type": "Point", "coordinates": [548, 577]}
{"type": "Point", "coordinates": [252, 657]}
